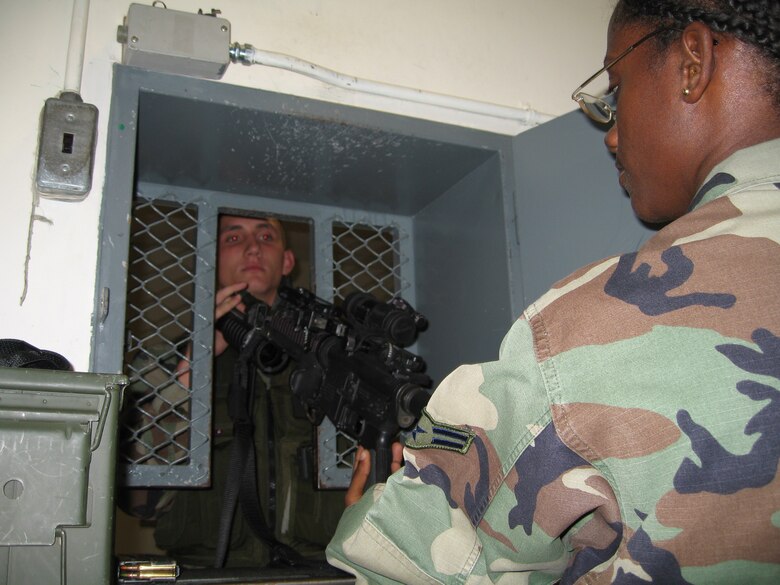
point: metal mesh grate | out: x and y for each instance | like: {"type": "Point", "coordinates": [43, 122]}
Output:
{"type": "Point", "coordinates": [366, 258]}
{"type": "Point", "coordinates": [156, 426]}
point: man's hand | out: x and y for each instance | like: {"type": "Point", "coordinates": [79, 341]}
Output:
{"type": "Point", "coordinates": [363, 468]}
{"type": "Point", "coordinates": [226, 300]}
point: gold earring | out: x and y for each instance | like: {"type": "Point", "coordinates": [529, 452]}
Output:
{"type": "Point", "coordinates": [686, 91]}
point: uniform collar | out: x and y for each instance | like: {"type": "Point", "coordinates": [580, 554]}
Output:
{"type": "Point", "coordinates": [745, 168]}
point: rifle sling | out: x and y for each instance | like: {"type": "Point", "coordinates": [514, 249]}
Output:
{"type": "Point", "coordinates": [242, 472]}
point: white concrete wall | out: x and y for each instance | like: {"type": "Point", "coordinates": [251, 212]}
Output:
{"type": "Point", "coordinates": [517, 53]}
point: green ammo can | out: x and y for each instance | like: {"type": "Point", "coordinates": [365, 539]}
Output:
{"type": "Point", "coordinates": [57, 464]}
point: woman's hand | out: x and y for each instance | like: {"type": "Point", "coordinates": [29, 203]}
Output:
{"type": "Point", "coordinates": [362, 470]}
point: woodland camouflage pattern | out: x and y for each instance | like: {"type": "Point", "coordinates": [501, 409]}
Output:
{"type": "Point", "coordinates": [629, 431]}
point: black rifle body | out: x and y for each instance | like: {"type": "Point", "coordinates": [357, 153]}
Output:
{"type": "Point", "coordinates": [348, 364]}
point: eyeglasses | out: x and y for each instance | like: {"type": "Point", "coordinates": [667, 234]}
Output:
{"type": "Point", "coordinates": [604, 109]}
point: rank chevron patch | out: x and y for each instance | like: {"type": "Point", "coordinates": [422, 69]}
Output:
{"type": "Point", "coordinates": [431, 434]}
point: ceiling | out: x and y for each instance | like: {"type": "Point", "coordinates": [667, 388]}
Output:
{"type": "Point", "coordinates": [224, 148]}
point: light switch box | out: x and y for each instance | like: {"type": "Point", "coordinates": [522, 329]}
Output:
{"type": "Point", "coordinates": [66, 147]}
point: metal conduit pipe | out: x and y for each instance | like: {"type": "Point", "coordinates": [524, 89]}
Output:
{"type": "Point", "coordinates": [248, 55]}
{"type": "Point", "coordinates": [74, 64]}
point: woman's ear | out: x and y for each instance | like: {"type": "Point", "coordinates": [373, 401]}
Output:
{"type": "Point", "coordinates": [698, 60]}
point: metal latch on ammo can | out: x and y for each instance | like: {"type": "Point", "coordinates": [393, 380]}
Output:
{"type": "Point", "coordinates": [148, 571]}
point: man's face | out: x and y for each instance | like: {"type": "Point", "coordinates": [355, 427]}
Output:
{"type": "Point", "coordinates": [252, 250]}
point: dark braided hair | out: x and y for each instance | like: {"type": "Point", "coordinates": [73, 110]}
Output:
{"type": "Point", "coordinates": [754, 22]}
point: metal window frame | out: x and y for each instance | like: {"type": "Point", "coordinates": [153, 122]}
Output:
{"type": "Point", "coordinates": [334, 467]}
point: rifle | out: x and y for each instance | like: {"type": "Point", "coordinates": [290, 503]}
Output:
{"type": "Point", "coordinates": [350, 361]}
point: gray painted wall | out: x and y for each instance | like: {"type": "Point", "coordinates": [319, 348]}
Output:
{"type": "Point", "coordinates": [461, 271]}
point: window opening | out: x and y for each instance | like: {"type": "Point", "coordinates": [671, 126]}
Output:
{"type": "Point", "coordinates": [164, 421]}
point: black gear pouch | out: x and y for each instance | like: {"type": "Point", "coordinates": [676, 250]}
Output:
{"type": "Point", "coordinates": [15, 353]}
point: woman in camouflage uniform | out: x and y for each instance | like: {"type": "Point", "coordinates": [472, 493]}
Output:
{"type": "Point", "coordinates": [630, 430]}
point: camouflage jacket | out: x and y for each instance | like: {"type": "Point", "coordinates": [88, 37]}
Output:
{"type": "Point", "coordinates": [629, 431]}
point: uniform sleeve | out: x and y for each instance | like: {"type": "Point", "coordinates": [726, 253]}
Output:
{"type": "Point", "coordinates": [483, 492]}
